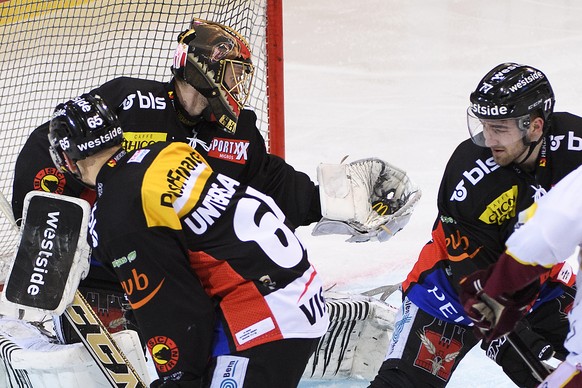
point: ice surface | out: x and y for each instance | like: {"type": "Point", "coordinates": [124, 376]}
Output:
{"type": "Point", "coordinates": [391, 79]}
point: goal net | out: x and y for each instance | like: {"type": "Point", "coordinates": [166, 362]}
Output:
{"type": "Point", "coordinates": [52, 51]}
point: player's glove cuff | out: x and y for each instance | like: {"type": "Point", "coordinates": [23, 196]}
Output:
{"type": "Point", "coordinates": [493, 316]}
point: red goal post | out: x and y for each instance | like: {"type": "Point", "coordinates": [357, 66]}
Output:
{"type": "Point", "coordinates": [51, 51]}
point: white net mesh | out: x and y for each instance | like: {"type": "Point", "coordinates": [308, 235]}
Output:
{"type": "Point", "coordinates": [51, 51]}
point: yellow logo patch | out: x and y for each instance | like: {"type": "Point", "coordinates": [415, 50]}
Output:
{"type": "Point", "coordinates": [501, 208]}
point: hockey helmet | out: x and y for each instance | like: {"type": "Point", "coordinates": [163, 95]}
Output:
{"type": "Point", "coordinates": [509, 92]}
{"type": "Point", "coordinates": [216, 61]}
{"type": "Point", "coordinates": [80, 128]}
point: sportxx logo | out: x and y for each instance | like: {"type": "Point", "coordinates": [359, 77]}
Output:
{"type": "Point", "coordinates": [232, 150]}
{"type": "Point", "coordinates": [139, 282]}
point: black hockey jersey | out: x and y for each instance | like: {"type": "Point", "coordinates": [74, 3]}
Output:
{"type": "Point", "coordinates": [180, 236]}
{"type": "Point", "coordinates": [149, 112]}
{"type": "Point", "coordinates": [478, 202]}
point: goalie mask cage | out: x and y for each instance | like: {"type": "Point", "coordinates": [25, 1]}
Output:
{"type": "Point", "coordinates": [52, 51]}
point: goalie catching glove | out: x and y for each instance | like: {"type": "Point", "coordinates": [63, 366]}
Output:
{"type": "Point", "coordinates": [368, 199]}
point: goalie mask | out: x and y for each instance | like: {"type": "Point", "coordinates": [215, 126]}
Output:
{"type": "Point", "coordinates": [216, 61]}
{"type": "Point", "coordinates": [506, 97]}
{"type": "Point", "coordinates": [80, 128]}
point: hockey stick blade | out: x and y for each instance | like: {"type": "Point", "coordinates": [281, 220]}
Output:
{"type": "Point", "coordinates": [538, 369]}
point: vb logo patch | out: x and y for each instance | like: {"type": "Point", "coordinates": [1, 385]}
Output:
{"type": "Point", "coordinates": [164, 352]}
{"type": "Point", "coordinates": [50, 180]}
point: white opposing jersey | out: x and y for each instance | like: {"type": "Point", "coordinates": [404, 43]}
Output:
{"type": "Point", "coordinates": [553, 226]}
{"type": "Point", "coordinates": [551, 234]}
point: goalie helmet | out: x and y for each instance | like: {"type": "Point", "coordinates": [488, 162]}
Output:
{"type": "Point", "coordinates": [216, 61]}
{"type": "Point", "coordinates": [80, 128]}
{"type": "Point", "coordinates": [509, 91]}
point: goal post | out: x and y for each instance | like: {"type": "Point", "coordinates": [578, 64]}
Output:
{"type": "Point", "coordinates": [54, 50]}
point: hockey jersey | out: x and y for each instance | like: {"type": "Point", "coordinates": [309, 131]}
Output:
{"type": "Point", "coordinates": [551, 231]}
{"type": "Point", "coordinates": [188, 244]}
{"type": "Point", "coordinates": [149, 112]}
{"type": "Point", "coordinates": [478, 201]}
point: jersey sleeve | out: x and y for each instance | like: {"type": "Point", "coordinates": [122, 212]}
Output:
{"type": "Point", "coordinates": [551, 228]}
{"type": "Point", "coordinates": [293, 191]}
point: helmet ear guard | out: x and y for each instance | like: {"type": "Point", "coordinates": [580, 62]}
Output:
{"type": "Point", "coordinates": [216, 61]}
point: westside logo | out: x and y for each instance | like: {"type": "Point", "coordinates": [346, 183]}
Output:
{"type": "Point", "coordinates": [112, 134]}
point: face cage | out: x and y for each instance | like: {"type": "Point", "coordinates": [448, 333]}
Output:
{"type": "Point", "coordinates": [476, 128]}
{"type": "Point", "coordinates": [236, 80]}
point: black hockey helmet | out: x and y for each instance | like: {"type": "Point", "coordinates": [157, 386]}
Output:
{"type": "Point", "coordinates": [80, 128]}
{"type": "Point", "coordinates": [216, 61]}
{"type": "Point", "coordinates": [510, 91]}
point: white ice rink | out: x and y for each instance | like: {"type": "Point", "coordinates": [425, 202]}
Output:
{"type": "Point", "coordinates": [392, 79]}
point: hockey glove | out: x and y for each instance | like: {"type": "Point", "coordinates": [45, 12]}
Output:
{"type": "Point", "coordinates": [497, 315]}
{"type": "Point", "coordinates": [368, 199]}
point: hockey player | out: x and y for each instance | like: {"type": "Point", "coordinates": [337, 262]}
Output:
{"type": "Point", "coordinates": [519, 149]}
{"type": "Point", "coordinates": [202, 105]}
{"type": "Point", "coordinates": [497, 297]}
{"type": "Point", "coordinates": [221, 287]}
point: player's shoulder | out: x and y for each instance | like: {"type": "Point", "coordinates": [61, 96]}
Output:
{"type": "Point", "coordinates": [117, 90]}
{"type": "Point", "coordinates": [125, 82]}
{"type": "Point", "coordinates": [565, 121]}
{"type": "Point", "coordinates": [473, 180]}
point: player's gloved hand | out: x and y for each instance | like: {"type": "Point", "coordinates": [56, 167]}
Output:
{"type": "Point", "coordinates": [493, 316]}
{"type": "Point", "coordinates": [368, 199]}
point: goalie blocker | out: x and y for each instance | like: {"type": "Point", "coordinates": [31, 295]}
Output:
{"type": "Point", "coordinates": [52, 255]}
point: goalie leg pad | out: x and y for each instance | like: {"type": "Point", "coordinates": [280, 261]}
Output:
{"type": "Point", "coordinates": [356, 340]}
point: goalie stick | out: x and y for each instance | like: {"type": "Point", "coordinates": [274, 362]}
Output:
{"type": "Point", "coordinates": [101, 345]}
{"type": "Point", "coordinates": [98, 341]}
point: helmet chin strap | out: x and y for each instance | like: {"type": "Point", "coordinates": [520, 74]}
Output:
{"type": "Point", "coordinates": [532, 146]}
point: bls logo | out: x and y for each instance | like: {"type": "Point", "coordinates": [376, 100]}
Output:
{"type": "Point", "coordinates": [473, 176]}
{"type": "Point", "coordinates": [145, 101]}
{"type": "Point", "coordinates": [574, 142]}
